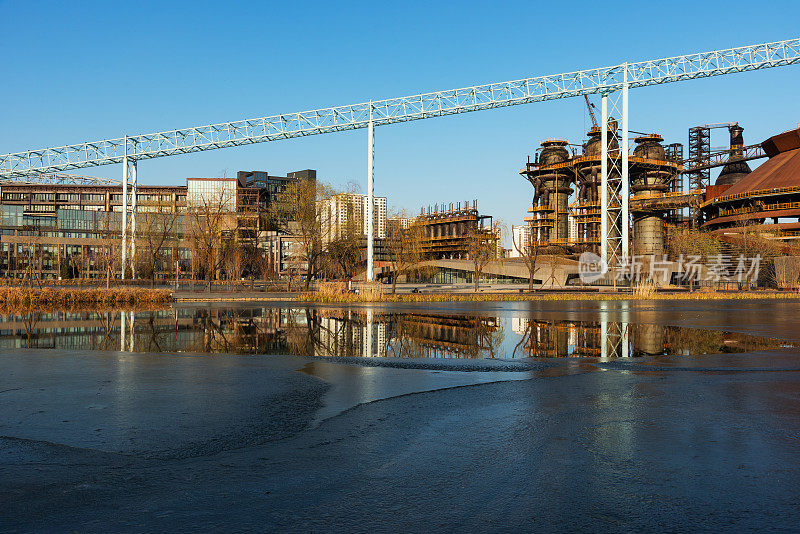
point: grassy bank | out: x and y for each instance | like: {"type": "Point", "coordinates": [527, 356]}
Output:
{"type": "Point", "coordinates": [334, 298]}
{"type": "Point", "coordinates": [14, 297]}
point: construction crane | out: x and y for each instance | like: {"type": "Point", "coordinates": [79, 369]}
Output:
{"type": "Point", "coordinates": [589, 106]}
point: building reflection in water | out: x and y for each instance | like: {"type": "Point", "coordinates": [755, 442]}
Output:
{"type": "Point", "coordinates": [332, 332]}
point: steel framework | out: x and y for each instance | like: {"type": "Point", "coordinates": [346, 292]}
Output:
{"type": "Point", "coordinates": [55, 178]}
{"type": "Point", "coordinates": [614, 181]}
{"type": "Point", "coordinates": [408, 108]}
{"type": "Point", "coordinates": [723, 157]}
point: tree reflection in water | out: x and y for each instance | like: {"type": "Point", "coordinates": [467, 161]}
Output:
{"type": "Point", "coordinates": [338, 332]}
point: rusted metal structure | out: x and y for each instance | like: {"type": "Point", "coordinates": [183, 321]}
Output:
{"type": "Point", "coordinates": [651, 175]}
{"type": "Point", "coordinates": [554, 172]}
{"type": "Point", "coordinates": [447, 230]}
{"type": "Point", "coordinates": [768, 196]}
{"type": "Point", "coordinates": [551, 176]}
{"type": "Point", "coordinates": [764, 196]}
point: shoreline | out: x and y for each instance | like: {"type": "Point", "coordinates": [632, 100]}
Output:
{"type": "Point", "coordinates": [45, 298]}
{"type": "Point", "coordinates": [346, 298]}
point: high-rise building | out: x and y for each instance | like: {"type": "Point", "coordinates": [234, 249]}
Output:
{"type": "Point", "coordinates": [520, 235]}
{"type": "Point", "coordinates": [350, 208]}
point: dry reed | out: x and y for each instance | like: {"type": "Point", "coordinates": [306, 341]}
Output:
{"type": "Point", "coordinates": [14, 297]}
{"type": "Point", "coordinates": [645, 288]}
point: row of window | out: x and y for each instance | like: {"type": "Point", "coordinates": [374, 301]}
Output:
{"type": "Point", "coordinates": [95, 198]}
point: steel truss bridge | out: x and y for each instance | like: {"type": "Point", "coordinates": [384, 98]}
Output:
{"type": "Point", "coordinates": [58, 178]}
{"type": "Point", "coordinates": [721, 157]}
{"type": "Point", "coordinates": [603, 80]}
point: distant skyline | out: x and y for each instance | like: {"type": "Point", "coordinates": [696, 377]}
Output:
{"type": "Point", "coordinates": [87, 71]}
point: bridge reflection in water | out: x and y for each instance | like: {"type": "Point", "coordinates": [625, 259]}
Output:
{"type": "Point", "coordinates": [332, 332]}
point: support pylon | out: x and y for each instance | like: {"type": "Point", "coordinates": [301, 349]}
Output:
{"type": "Point", "coordinates": [370, 208]}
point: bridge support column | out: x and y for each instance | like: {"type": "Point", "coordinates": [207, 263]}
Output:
{"type": "Point", "coordinates": [133, 222]}
{"type": "Point", "coordinates": [370, 208]}
{"type": "Point", "coordinates": [604, 179]}
{"type": "Point", "coordinates": [614, 182]}
{"type": "Point", "coordinates": [626, 218]}
{"type": "Point", "coordinates": [128, 175]}
{"type": "Point", "coordinates": [122, 331]}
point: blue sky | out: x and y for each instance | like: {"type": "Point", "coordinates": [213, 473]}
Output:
{"type": "Point", "coordinates": [77, 71]}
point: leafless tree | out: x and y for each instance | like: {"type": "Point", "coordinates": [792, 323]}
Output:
{"type": "Point", "coordinates": [108, 252]}
{"type": "Point", "coordinates": [482, 248]}
{"type": "Point", "coordinates": [31, 252]}
{"type": "Point", "coordinates": [157, 227]}
{"type": "Point", "coordinates": [234, 262]}
{"type": "Point", "coordinates": [404, 239]}
{"type": "Point", "coordinates": [296, 212]}
{"type": "Point", "coordinates": [212, 227]}
{"type": "Point", "coordinates": [529, 253]}
{"type": "Point", "coordinates": [345, 246]}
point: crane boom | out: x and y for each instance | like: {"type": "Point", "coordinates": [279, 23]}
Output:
{"type": "Point", "coordinates": [589, 106]}
{"type": "Point", "coordinates": [393, 110]}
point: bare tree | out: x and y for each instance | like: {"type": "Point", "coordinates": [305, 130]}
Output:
{"type": "Point", "coordinates": [108, 252]}
{"type": "Point", "coordinates": [234, 262]}
{"type": "Point", "coordinates": [345, 246]}
{"type": "Point", "coordinates": [296, 212]}
{"type": "Point", "coordinates": [750, 239]}
{"type": "Point", "coordinates": [404, 238]}
{"type": "Point", "coordinates": [261, 261]}
{"type": "Point", "coordinates": [529, 253]}
{"type": "Point", "coordinates": [688, 242]}
{"type": "Point", "coordinates": [787, 272]}
{"type": "Point", "coordinates": [482, 248]}
{"type": "Point", "coordinates": [212, 227]}
{"type": "Point", "coordinates": [157, 227]}
{"type": "Point", "coordinates": [31, 248]}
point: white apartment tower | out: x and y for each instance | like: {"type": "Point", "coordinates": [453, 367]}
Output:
{"type": "Point", "coordinates": [521, 234]}
{"type": "Point", "coordinates": [337, 210]}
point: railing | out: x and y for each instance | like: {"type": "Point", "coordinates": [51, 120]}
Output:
{"type": "Point", "coordinates": [570, 242]}
{"type": "Point", "coordinates": [612, 154]}
{"type": "Point", "coordinates": [748, 194]}
{"type": "Point", "coordinates": [760, 208]}
{"type": "Point", "coordinates": [670, 194]}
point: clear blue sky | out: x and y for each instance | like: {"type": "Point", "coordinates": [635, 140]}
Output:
{"type": "Point", "coordinates": [77, 71]}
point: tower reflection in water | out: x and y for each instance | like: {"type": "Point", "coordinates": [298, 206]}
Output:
{"type": "Point", "coordinates": [332, 332]}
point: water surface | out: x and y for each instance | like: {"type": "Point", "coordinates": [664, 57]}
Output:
{"type": "Point", "coordinates": [466, 332]}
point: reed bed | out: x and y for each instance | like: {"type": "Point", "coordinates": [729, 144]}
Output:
{"type": "Point", "coordinates": [43, 297]}
{"type": "Point", "coordinates": [645, 288]}
{"type": "Point", "coordinates": [343, 298]}
{"type": "Point", "coordinates": [9, 310]}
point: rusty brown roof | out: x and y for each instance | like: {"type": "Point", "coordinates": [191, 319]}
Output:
{"type": "Point", "coordinates": [782, 170]}
{"type": "Point", "coordinates": [754, 215]}
{"type": "Point", "coordinates": [782, 142]}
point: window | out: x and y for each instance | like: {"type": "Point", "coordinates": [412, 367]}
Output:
{"type": "Point", "coordinates": [209, 192]}
{"type": "Point", "coordinates": [93, 197]}
{"type": "Point", "coordinates": [42, 207]}
{"type": "Point", "coordinates": [67, 197]}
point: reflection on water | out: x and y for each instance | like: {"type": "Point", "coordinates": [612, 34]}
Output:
{"type": "Point", "coordinates": [370, 333]}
